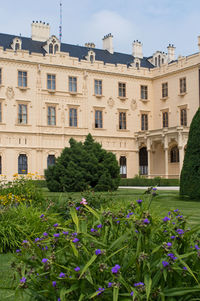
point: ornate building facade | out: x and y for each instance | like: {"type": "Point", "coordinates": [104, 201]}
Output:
{"type": "Point", "coordinates": [137, 107]}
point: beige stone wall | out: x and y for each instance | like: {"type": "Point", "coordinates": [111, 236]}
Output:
{"type": "Point", "coordinates": [37, 140]}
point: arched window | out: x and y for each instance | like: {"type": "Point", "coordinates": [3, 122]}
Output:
{"type": "Point", "coordinates": [22, 164]}
{"type": "Point", "coordinates": [50, 160]}
{"type": "Point", "coordinates": [92, 58]}
{"type": "Point", "coordinates": [159, 61]}
{"type": "Point", "coordinates": [17, 46]}
{"type": "Point", "coordinates": [174, 155]}
{"type": "Point", "coordinates": [123, 166]}
{"type": "Point", "coordinates": [50, 48]}
{"type": "Point", "coordinates": [55, 48]}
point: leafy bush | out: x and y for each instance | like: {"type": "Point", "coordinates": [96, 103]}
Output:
{"type": "Point", "coordinates": [82, 166]}
{"type": "Point", "coordinates": [142, 181]}
{"type": "Point", "coordinates": [18, 223]}
{"type": "Point", "coordinates": [21, 189]}
{"type": "Point", "coordinates": [129, 255]}
{"type": "Point", "coordinates": [190, 174]}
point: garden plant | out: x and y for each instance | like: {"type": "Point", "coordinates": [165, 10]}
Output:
{"type": "Point", "coordinates": [97, 254]}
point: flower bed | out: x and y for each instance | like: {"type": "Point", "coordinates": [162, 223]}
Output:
{"type": "Point", "coordinates": [96, 254]}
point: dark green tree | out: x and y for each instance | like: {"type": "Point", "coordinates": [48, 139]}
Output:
{"type": "Point", "coordinates": [82, 166]}
{"type": "Point", "coordinates": [190, 174]}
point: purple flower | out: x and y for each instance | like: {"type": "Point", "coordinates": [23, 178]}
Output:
{"type": "Point", "coordinates": [117, 222]}
{"type": "Point", "coordinates": [197, 247]}
{"type": "Point", "coordinates": [98, 252]}
{"type": "Point", "coordinates": [169, 213]}
{"type": "Point", "coordinates": [77, 208]}
{"type": "Point", "coordinates": [154, 188]}
{"type": "Point", "coordinates": [99, 226]}
{"type": "Point", "coordinates": [180, 231]}
{"type": "Point", "coordinates": [131, 294]}
{"type": "Point", "coordinates": [93, 230]}
{"type": "Point", "coordinates": [55, 225]}
{"type": "Point", "coordinates": [54, 283]}
{"type": "Point", "coordinates": [115, 269]}
{"type": "Point", "coordinates": [166, 218]}
{"type": "Point", "coordinates": [110, 284]}
{"type": "Point", "coordinates": [165, 263]}
{"type": "Point", "coordinates": [37, 239]}
{"type": "Point", "coordinates": [176, 210]}
{"type": "Point", "coordinates": [184, 268]}
{"type": "Point", "coordinates": [173, 223]}
{"type": "Point", "coordinates": [75, 240]}
{"type": "Point", "coordinates": [18, 251]}
{"type": "Point", "coordinates": [42, 215]}
{"type": "Point", "coordinates": [59, 299]}
{"type": "Point", "coordinates": [62, 275]}
{"type": "Point", "coordinates": [136, 231]}
{"type": "Point", "coordinates": [173, 237]}
{"type": "Point", "coordinates": [23, 280]}
{"type": "Point", "coordinates": [25, 241]}
{"type": "Point", "coordinates": [138, 284]}
{"type": "Point", "coordinates": [100, 290]}
{"type": "Point", "coordinates": [77, 269]}
{"type": "Point", "coordinates": [65, 232]}
{"type": "Point", "coordinates": [56, 235]}
{"type": "Point", "coordinates": [169, 244]}
{"type": "Point", "coordinates": [83, 202]}
{"type": "Point", "coordinates": [45, 248]}
{"type": "Point", "coordinates": [74, 234]}
{"type": "Point", "coordinates": [171, 255]}
{"type": "Point", "coordinates": [139, 201]}
{"type": "Point", "coordinates": [45, 234]}
{"type": "Point", "coordinates": [44, 260]}
{"type": "Point", "coordinates": [128, 215]}
{"type": "Point", "coordinates": [146, 221]}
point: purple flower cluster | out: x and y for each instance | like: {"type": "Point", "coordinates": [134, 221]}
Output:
{"type": "Point", "coordinates": [110, 284]}
{"type": "Point", "coordinates": [146, 221]}
{"type": "Point", "coordinates": [75, 240]}
{"type": "Point", "coordinates": [23, 280]}
{"type": "Point", "coordinates": [138, 284]}
{"type": "Point", "coordinates": [77, 269]}
{"type": "Point", "coordinates": [197, 247]}
{"type": "Point", "coordinates": [132, 294]}
{"type": "Point", "coordinates": [165, 263]}
{"type": "Point", "coordinates": [62, 275]}
{"type": "Point", "coordinates": [166, 219]}
{"type": "Point", "coordinates": [99, 226]}
{"type": "Point", "coordinates": [44, 260]}
{"type": "Point", "coordinates": [100, 290]}
{"type": "Point", "coordinates": [180, 231]}
{"type": "Point", "coordinates": [98, 252]}
{"type": "Point", "coordinates": [65, 232]}
{"type": "Point", "coordinates": [56, 235]}
{"type": "Point", "coordinates": [54, 283]}
{"type": "Point", "coordinates": [45, 234]}
{"type": "Point", "coordinates": [115, 269]}
{"type": "Point", "coordinates": [129, 214]}
{"type": "Point", "coordinates": [139, 201]}
{"type": "Point", "coordinates": [55, 225]}
{"type": "Point", "coordinates": [172, 256]}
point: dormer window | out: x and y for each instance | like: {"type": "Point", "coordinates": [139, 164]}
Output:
{"type": "Point", "coordinates": [16, 44]}
{"type": "Point", "coordinates": [91, 56]}
{"type": "Point", "coordinates": [52, 45]}
{"type": "Point", "coordinates": [137, 63]}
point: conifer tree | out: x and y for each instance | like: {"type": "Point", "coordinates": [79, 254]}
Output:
{"type": "Point", "coordinates": [190, 174]}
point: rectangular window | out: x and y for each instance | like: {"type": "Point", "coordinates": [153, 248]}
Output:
{"type": "Point", "coordinates": [22, 79]}
{"type": "Point", "coordinates": [164, 90]}
{"type": "Point", "coordinates": [0, 76]}
{"type": "Point", "coordinates": [98, 87]}
{"type": "Point", "coordinates": [183, 117]}
{"type": "Point", "coordinates": [73, 117]}
{"type": "Point", "coordinates": [51, 82]}
{"type": "Point", "coordinates": [98, 119]}
{"type": "Point", "coordinates": [51, 116]}
{"type": "Point", "coordinates": [122, 120]}
{"type": "Point", "coordinates": [122, 89]}
{"type": "Point", "coordinates": [165, 120]}
{"type": "Point", "coordinates": [144, 122]}
{"type": "Point", "coordinates": [183, 85]}
{"type": "Point", "coordinates": [123, 166]}
{"type": "Point", "coordinates": [144, 92]}
{"type": "Point", "coordinates": [22, 114]}
{"type": "Point", "coordinates": [72, 84]}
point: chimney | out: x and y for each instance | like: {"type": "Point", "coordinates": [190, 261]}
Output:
{"type": "Point", "coordinates": [108, 43]}
{"type": "Point", "coordinates": [90, 45]}
{"type": "Point", "coordinates": [40, 31]}
{"type": "Point", "coordinates": [137, 49]}
{"type": "Point", "coordinates": [171, 52]}
{"type": "Point", "coordinates": [199, 42]}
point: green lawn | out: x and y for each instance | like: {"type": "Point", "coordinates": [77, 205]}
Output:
{"type": "Point", "coordinates": [165, 201]}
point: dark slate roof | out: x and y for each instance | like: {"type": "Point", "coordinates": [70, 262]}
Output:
{"type": "Point", "coordinates": [79, 52]}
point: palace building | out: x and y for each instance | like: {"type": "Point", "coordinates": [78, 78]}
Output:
{"type": "Point", "coordinates": [137, 107]}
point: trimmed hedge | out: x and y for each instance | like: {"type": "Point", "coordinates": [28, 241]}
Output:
{"type": "Point", "coordinates": [140, 181]}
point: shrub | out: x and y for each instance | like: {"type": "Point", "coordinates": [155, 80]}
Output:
{"type": "Point", "coordinates": [82, 166]}
{"type": "Point", "coordinates": [142, 181]}
{"type": "Point", "coordinates": [190, 174]}
{"type": "Point", "coordinates": [129, 255]}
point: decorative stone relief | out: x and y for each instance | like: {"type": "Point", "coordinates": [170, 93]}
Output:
{"type": "Point", "coordinates": [111, 102]}
{"type": "Point", "coordinates": [133, 105]}
{"type": "Point", "coordinates": [10, 92]}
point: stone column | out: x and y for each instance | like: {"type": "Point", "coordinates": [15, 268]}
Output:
{"type": "Point", "coordinates": [166, 163]}
{"type": "Point", "coordinates": [149, 157]}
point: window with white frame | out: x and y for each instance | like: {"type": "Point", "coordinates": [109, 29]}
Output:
{"type": "Point", "coordinates": [97, 87]}
{"type": "Point", "coordinates": [51, 82]}
{"type": "Point", "coordinates": [73, 117]}
{"type": "Point", "coordinates": [144, 122]}
{"type": "Point", "coordinates": [183, 117]}
{"type": "Point", "coordinates": [123, 166]}
{"type": "Point", "coordinates": [72, 84]}
{"type": "Point", "coordinates": [144, 92]}
{"type": "Point", "coordinates": [182, 85]}
{"type": "Point", "coordinates": [22, 164]}
{"type": "Point", "coordinates": [122, 120]}
{"type": "Point", "coordinates": [98, 119]}
{"type": "Point", "coordinates": [164, 90]}
{"type": "Point", "coordinates": [122, 90]}
{"type": "Point", "coordinates": [22, 79]}
{"type": "Point", "coordinates": [165, 119]}
{"type": "Point", "coordinates": [22, 114]}
{"type": "Point", "coordinates": [51, 115]}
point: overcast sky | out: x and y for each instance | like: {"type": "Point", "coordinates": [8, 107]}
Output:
{"type": "Point", "coordinates": [154, 22]}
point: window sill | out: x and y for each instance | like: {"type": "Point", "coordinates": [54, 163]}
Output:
{"type": "Point", "coordinates": [101, 129]}
{"type": "Point", "coordinates": [98, 95]}
{"type": "Point", "coordinates": [182, 94]}
{"type": "Point", "coordinates": [2, 123]}
{"type": "Point", "coordinates": [22, 124]}
{"type": "Point", "coordinates": [144, 100]}
{"type": "Point", "coordinates": [164, 98]}
{"type": "Point", "coordinates": [51, 91]}
{"type": "Point", "coordinates": [73, 93]}
{"type": "Point", "coordinates": [49, 126]}
{"type": "Point", "coordinates": [123, 130]}
{"type": "Point", "coordinates": [22, 88]}
{"type": "Point", "coordinates": [122, 98]}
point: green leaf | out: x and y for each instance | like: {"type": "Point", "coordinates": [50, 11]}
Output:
{"type": "Point", "coordinates": [119, 241]}
{"type": "Point", "coordinates": [75, 251]}
{"type": "Point", "coordinates": [115, 253]}
{"type": "Point", "coordinates": [181, 291]}
{"type": "Point", "coordinates": [81, 297]}
{"type": "Point", "coordinates": [74, 218]}
{"type": "Point", "coordinates": [93, 212]}
{"type": "Point", "coordinates": [115, 293]}
{"type": "Point", "coordinates": [148, 283]}
{"type": "Point", "coordinates": [64, 292]}
{"type": "Point", "coordinates": [185, 264]}
{"type": "Point", "coordinates": [92, 259]}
